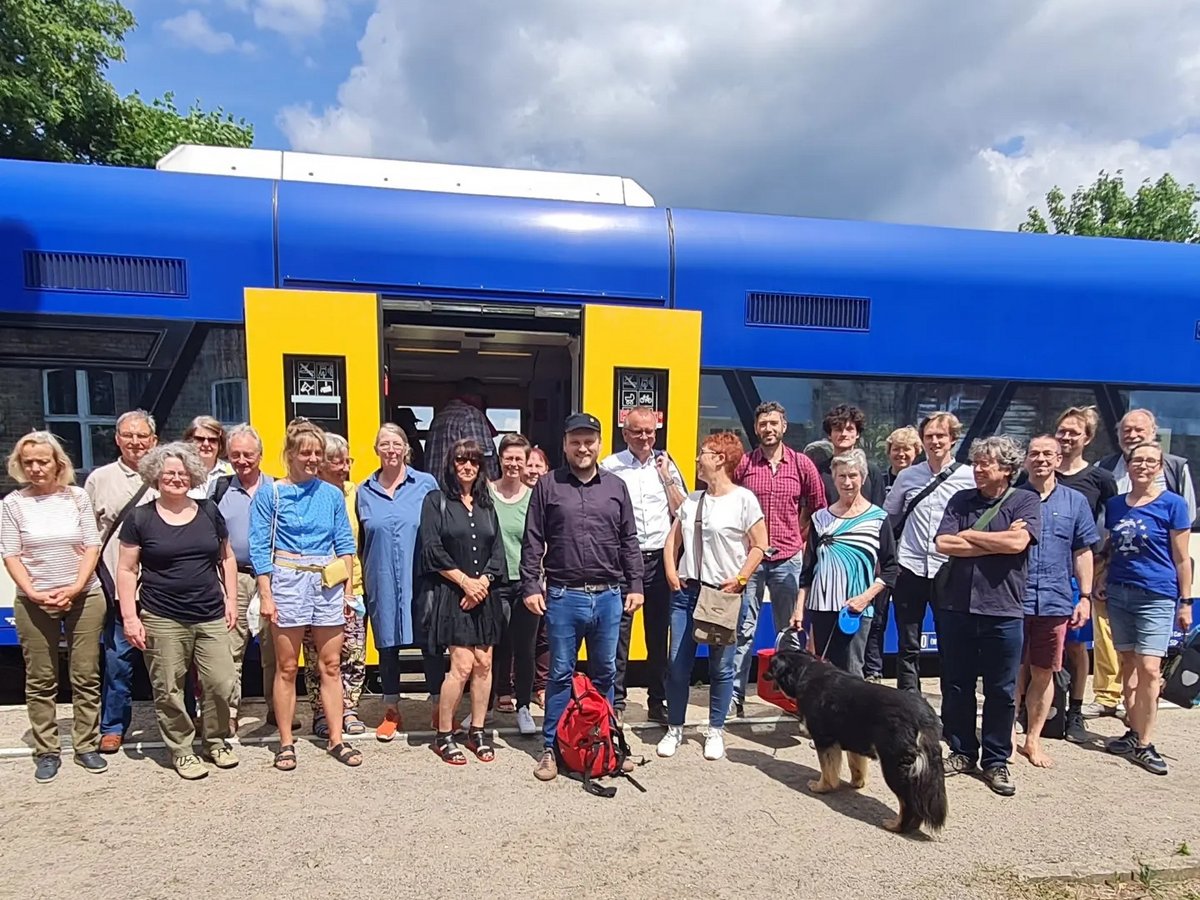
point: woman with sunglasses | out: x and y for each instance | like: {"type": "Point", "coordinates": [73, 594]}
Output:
{"type": "Point", "coordinates": [462, 558]}
{"type": "Point", "coordinates": [208, 436]}
{"type": "Point", "coordinates": [1149, 571]}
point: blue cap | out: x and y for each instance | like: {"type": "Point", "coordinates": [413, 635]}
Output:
{"type": "Point", "coordinates": [848, 621]}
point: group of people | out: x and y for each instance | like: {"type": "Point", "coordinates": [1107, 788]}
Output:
{"type": "Point", "coordinates": [489, 552]}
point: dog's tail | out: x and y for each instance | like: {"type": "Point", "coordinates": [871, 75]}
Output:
{"type": "Point", "coordinates": [926, 802]}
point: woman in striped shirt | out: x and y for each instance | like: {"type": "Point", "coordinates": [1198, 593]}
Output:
{"type": "Point", "coordinates": [50, 545]}
{"type": "Point", "coordinates": [850, 561]}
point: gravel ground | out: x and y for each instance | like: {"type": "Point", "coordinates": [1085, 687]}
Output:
{"type": "Point", "coordinates": [407, 824]}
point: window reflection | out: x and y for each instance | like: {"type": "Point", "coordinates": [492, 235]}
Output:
{"type": "Point", "coordinates": [717, 411]}
{"type": "Point", "coordinates": [1035, 408]}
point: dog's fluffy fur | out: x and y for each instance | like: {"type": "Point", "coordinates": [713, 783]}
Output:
{"type": "Point", "coordinates": [868, 721]}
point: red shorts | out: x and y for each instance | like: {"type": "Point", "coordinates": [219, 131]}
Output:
{"type": "Point", "coordinates": [1045, 637]}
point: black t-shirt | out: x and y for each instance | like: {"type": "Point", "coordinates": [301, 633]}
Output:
{"type": "Point", "coordinates": [1096, 484]}
{"type": "Point", "coordinates": [180, 578]}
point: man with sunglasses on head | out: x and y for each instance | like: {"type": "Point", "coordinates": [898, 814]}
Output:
{"type": "Point", "coordinates": [581, 531]}
{"type": "Point", "coordinates": [656, 491]}
{"type": "Point", "coordinates": [115, 489]}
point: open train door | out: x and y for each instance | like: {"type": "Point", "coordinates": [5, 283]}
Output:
{"type": "Point", "coordinates": [633, 356]}
{"type": "Point", "coordinates": [315, 354]}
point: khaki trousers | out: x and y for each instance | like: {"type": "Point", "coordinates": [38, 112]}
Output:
{"type": "Point", "coordinates": [40, 630]}
{"type": "Point", "coordinates": [1106, 665]}
{"type": "Point", "coordinates": [239, 640]}
{"type": "Point", "coordinates": [171, 649]}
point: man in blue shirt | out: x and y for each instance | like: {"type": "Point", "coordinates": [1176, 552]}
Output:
{"type": "Point", "coordinates": [1064, 544]}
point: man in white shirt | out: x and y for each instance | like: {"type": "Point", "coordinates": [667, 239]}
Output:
{"type": "Point", "coordinates": [656, 491]}
{"type": "Point", "coordinates": [916, 505]}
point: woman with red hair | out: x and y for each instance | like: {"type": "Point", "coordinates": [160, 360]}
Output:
{"type": "Point", "coordinates": [723, 536]}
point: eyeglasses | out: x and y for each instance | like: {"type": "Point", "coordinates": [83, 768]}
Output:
{"type": "Point", "coordinates": [640, 432]}
{"type": "Point", "coordinates": [198, 439]}
{"type": "Point", "coordinates": [134, 435]}
{"type": "Point", "coordinates": [1147, 462]}
{"type": "Point", "coordinates": [466, 460]}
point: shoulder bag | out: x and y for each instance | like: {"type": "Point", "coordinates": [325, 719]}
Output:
{"type": "Point", "coordinates": [715, 618]}
{"type": "Point", "coordinates": [898, 525]}
{"type": "Point", "coordinates": [941, 581]}
{"type": "Point", "coordinates": [107, 583]}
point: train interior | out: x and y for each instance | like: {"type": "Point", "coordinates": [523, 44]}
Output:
{"type": "Point", "coordinates": [529, 371]}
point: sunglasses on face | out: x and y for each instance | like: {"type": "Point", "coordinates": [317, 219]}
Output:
{"type": "Point", "coordinates": [466, 460]}
{"type": "Point", "coordinates": [197, 439]}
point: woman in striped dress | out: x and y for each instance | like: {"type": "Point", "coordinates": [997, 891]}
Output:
{"type": "Point", "coordinates": [850, 559]}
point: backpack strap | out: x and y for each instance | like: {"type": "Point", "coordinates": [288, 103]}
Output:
{"type": "Point", "coordinates": [221, 487]}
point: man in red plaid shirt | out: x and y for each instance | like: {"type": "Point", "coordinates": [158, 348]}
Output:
{"type": "Point", "coordinates": [788, 487]}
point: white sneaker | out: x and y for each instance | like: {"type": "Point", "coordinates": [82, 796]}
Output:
{"type": "Point", "coordinates": [525, 723]}
{"type": "Point", "coordinates": [671, 741]}
{"type": "Point", "coordinates": [714, 744]}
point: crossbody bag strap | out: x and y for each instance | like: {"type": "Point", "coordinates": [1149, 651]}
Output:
{"type": "Point", "coordinates": [698, 538]}
{"type": "Point", "coordinates": [274, 519]}
{"type": "Point", "coordinates": [925, 492]}
{"type": "Point", "coordinates": [121, 516]}
{"type": "Point", "coordinates": [992, 511]}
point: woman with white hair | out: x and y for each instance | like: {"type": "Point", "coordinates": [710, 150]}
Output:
{"type": "Point", "coordinates": [848, 562]}
{"type": "Point", "coordinates": [176, 564]}
{"type": "Point", "coordinates": [50, 544]}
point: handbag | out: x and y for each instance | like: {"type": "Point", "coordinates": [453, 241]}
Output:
{"type": "Point", "coordinates": [941, 580]}
{"type": "Point", "coordinates": [332, 574]}
{"type": "Point", "coordinates": [715, 618]}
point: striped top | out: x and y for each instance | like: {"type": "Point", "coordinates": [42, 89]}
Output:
{"type": "Point", "coordinates": [48, 533]}
{"type": "Point", "coordinates": [845, 556]}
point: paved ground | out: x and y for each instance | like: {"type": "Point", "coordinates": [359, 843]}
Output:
{"type": "Point", "coordinates": [407, 824]}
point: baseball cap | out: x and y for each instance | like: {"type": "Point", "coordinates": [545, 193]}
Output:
{"type": "Point", "coordinates": [581, 422]}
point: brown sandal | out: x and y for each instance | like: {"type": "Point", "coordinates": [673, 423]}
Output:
{"type": "Point", "coordinates": [345, 754]}
{"type": "Point", "coordinates": [285, 758]}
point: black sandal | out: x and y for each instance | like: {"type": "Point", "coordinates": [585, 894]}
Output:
{"type": "Point", "coordinates": [446, 748]}
{"type": "Point", "coordinates": [345, 754]}
{"type": "Point", "coordinates": [285, 758]}
{"type": "Point", "coordinates": [477, 743]}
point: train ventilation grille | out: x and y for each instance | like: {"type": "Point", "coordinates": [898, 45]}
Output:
{"type": "Point", "coordinates": [101, 273]}
{"type": "Point", "coordinates": [808, 311]}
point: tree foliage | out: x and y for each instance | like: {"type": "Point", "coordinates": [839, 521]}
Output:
{"type": "Point", "coordinates": [57, 105]}
{"type": "Point", "coordinates": [1164, 210]}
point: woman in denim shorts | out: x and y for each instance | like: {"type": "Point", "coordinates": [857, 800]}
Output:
{"type": "Point", "coordinates": [298, 530]}
{"type": "Point", "coordinates": [1149, 571]}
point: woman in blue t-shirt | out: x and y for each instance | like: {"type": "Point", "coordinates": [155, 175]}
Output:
{"type": "Point", "coordinates": [1149, 577]}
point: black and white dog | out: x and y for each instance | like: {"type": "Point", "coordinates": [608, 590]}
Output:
{"type": "Point", "coordinates": [868, 721]}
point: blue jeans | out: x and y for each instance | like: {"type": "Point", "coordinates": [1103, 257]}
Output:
{"type": "Point", "coordinates": [972, 645]}
{"type": "Point", "coordinates": [780, 578]}
{"type": "Point", "coordinates": [571, 617]}
{"type": "Point", "coordinates": [116, 702]}
{"type": "Point", "coordinates": [683, 657]}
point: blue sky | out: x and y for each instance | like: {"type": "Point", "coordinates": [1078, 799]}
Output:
{"type": "Point", "coordinates": [251, 70]}
{"type": "Point", "coordinates": [927, 111]}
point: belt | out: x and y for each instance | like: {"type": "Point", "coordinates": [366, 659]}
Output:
{"type": "Point", "coordinates": [651, 554]}
{"type": "Point", "coordinates": [592, 588]}
{"type": "Point", "coordinates": [246, 570]}
{"type": "Point", "coordinates": [287, 564]}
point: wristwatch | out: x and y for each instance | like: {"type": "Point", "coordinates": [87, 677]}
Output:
{"type": "Point", "coordinates": [1084, 595]}
{"type": "Point", "coordinates": [1185, 601]}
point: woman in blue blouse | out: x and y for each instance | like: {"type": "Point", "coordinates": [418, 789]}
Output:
{"type": "Point", "coordinates": [1149, 592]}
{"type": "Point", "coordinates": [848, 563]}
{"type": "Point", "coordinates": [389, 518]}
{"type": "Point", "coordinates": [302, 550]}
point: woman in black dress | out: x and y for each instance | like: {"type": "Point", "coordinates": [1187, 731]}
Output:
{"type": "Point", "coordinates": [462, 557]}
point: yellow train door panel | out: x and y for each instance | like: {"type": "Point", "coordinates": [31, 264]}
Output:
{"type": "Point", "coordinates": [317, 354]}
{"type": "Point", "coordinates": [644, 357]}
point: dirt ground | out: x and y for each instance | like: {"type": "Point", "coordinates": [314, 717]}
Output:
{"type": "Point", "coordinates": [406, 824]}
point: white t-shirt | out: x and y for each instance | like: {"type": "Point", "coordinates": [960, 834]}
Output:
{"type": "Point", "coordinates": [724, 533]}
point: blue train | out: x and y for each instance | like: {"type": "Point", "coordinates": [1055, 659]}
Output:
{"type": "Point", "coordinates": [225, 282]}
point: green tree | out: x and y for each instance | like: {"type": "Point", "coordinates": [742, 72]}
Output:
{"type": "Point", "coordinates": [1164, 210]}
{"type": "Point", "coordinates": [57, 105]}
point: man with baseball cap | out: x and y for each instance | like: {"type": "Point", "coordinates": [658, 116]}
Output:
{"type": "Point", "coordinates": [580, 530]}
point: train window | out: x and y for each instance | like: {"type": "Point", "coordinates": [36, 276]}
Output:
{"type": "Point", "coordinates": [80, 407]}
{"type": "Point", "coordinates": [1178, 416]}
{"type": "Point", "coordinates": [717, 411]}
{"type": "Point", "coordinates": [1034, 409]}
{"type": "Point", "coordinates": [230, 401]}
{"type": "Point", "coordinates": [886, 404]}
{"type": "Point", "coordinates": [505, 421]}
{"type": "Point", "coordinates": [215, 380]}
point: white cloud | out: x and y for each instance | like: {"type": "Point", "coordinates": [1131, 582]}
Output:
{"type": "Point", "coordinates": [851, 108]}
{"type": "Point", "coordinates": [193, 29]}
{"type": "Point", "coordinates": [293, 18]}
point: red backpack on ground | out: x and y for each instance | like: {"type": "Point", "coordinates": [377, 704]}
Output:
{"type": "Point", "coordinates": [590, 742]}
